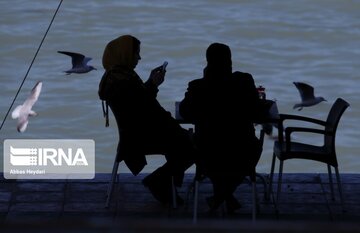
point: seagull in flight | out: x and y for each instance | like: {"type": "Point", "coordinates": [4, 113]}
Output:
{"type": "Point", "coordinates": [307, 96]}
{"type": "Point", "coordinates": [79, 63]}
{"type": "Point", "coordinates": [22, 112]}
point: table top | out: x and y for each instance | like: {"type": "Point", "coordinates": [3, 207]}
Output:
{"type": "Point", "coordinates": [273, 113]}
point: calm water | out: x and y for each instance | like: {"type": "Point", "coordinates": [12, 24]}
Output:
{"type": "Point", "coordinates": [315, 41]}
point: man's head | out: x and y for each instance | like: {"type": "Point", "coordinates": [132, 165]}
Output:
{"type": "Point", "coordinates": [218, 54]}
{"type": "Point", "coordinates": [219, 62]}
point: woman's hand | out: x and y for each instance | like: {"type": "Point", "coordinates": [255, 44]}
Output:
{"type": "Point", "coordinates": [157, 76]}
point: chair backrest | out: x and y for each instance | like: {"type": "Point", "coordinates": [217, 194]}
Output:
{"type": "Point", "coordinates": [332, 122]}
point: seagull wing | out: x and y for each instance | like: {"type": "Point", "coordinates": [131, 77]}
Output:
{"type": "Point", "coordinates": [306, 91]}
{"type": "Point", "coordinates": [77, 59]}
{"type": "Point", "coordinates": [34, 95]}
{"type": "Point", "coordinates": [86, 60]}
{"type": "Point", "coordinates": [23, 111]}
{"type": "Point", "coordinates": [22, 123]}
{"type": "Point", "coordinates": [16, 112]}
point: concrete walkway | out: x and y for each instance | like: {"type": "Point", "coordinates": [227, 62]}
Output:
{"type": "Point", "coordinates": [79, 204]}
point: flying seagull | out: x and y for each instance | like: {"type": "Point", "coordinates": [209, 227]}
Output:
{"type": "Point", "coordinates": [22, 112]}
{"type": "Point", "coordinates": [79, 63]}
{"type": "Point", "coordinates": [307, 96]}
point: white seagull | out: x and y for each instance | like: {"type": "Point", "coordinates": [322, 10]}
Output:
{"type": "Point", "coordinates": [22, 112]}
{"type": "Point", "coordinates": [79, 63]}
{"type": "Point", "coordinates": [307, 96]}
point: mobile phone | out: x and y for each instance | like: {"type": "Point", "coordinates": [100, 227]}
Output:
{"type": "Point", "coordinates": [163, 67]}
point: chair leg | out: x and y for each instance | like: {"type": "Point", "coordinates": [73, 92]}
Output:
{"type": "Point", "coordinates": [264, 181]}
{"type": "Point", "coordinates": [340, 188]}
{"type": "Point", "coordinates": [254, 201]}
{"type": "Point", "coordinates": [279, 181]}
{"type": "Point", "coordinates": [111, 184]}
{"type": "Point", "coordinates": [271, 174]}
{"type": "Point", "coordinates": [331, 184]}
{"type": "Point", "coordinates": [190, 190]}
{"type": "Point", "coordinates": [173, 192]}
{"type": "Point", "coordinates": [196, 195]}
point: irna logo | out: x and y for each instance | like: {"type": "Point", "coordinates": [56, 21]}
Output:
{"type": "Point", "coordinates": [49, 159]}
{"type": "Point", "coordinates": [45, 156]}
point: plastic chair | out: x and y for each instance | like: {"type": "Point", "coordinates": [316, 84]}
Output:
{"type": "Point", "coordinates": [115, 172]}
{"type": "Point", "coordinates": [288, 149]}
{"type": "Point", "coordinates": [114, 178]}
{"type": "Point", "coordinates": [199, 177]}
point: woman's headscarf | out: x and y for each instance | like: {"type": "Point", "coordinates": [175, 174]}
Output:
{"type": "Point", "coordinates": [120, 52]}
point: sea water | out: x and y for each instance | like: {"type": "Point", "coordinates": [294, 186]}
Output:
{"type": "Point", "coordinates": [278, 42]}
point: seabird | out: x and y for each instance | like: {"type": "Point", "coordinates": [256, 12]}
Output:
{"type": "Point", "coordinates": [307, 96]}
{"type": "Point", "coordinates": [22, 112]}
{"type": "Point", "coordinates": [79, 63]}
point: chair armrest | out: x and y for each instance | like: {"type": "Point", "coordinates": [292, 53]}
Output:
{"type": "Point", "coordinates": [283, 117]}
{"type": "Point", "coordinates": [290, 130]}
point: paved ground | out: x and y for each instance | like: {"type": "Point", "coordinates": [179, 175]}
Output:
{"type": "Point", "coordinates": [77, 205]}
